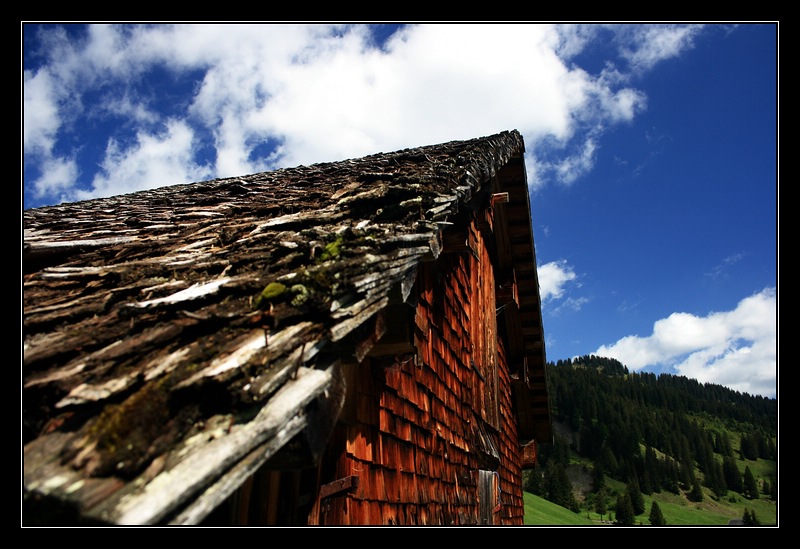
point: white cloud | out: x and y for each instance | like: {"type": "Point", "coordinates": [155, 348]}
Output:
{"type": "Point", "coordinates": [58, 178]}
{"type": "Point", "coordinates": [574, 167]}
{"type": "Point", "coordinates": [553, 277]}
{"type": "Point", "coordinates": [132, 109]}
{"type": "Point", "coordinates": [646, 45]}
{"type": "Point", "coordinates": [326, 92]}
{"type": "Point", "coordinates": [736, 348]}
{"type": "Point", "coordinates": [40, 120]}
{"type": "Point", "coordinates": [144, 165]}
{"type": "Point", "coordinates": [572, 39]}
{"type": "Point", "coordinates": [554, 280]}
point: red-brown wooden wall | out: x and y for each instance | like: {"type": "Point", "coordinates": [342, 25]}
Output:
{"type": "Point", "coordinates": [411, 428]}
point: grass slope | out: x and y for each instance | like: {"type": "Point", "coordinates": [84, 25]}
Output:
{"type": "Point", "coordinates": [677, 511]}
{"type": "Point", "coordinates": [540, 512]}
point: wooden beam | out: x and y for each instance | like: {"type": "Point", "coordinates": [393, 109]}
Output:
{"type": "Point", "coordinates": [346, 484]}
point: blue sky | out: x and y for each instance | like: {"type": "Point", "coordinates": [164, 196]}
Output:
{"type": "Point", "coordinates": [651, 151]}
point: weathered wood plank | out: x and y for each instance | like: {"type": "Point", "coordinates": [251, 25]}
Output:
{"type": "Point", "coordinates": [198, 469]}
{"type": "Point", "coordinates": [202, 505]}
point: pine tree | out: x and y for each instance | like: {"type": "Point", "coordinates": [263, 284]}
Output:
{"type": "Point", "coordinates": [748, 447]}
{"type": "Point", "coordinates": [560, 450]}
{"type": "Point", "coordinates": [725, 445]}
{"type": "Point", "coordinates": [716, 480]}
{"type": "Point", "coordinates": [750, 484]}
{"type": "Point", "coordinates": [772, 451]}
{"type": "Point", "coordinates": [696, 495]}
{"type": "Point", "coordinates": [704, 454]}
{"type": "Point", "coordinates": [608, 460]}
{"type": "Point", "coordinates": [656, 518]}
{"type": "Point", "coordinates": [773, 488]}
{"type": "Point", "coordinates": [559, 487]}
{"type": "Point", "coordinates": [624, 510]}
{"type": "Point", "coordinates": [687, 475]}
{"type": "Point", "coordinates": [600, 504]}
{"type": "Point", "coordinates": [670, 476]}
{"type": "Point", "coordinates": [646, 485]}
{"type": "Point", "coordinates": [598, 477]}
{"type": "Point", "coordinates": [533, 482]}
{"type": "Point", "coordinates": [652, 471]}
{"type": "Point", "coordinates": [733, 478]}
{"type": "Point", "coordinates": [749, 518]}
{"type": "Point", "coordinates": [635, 495]}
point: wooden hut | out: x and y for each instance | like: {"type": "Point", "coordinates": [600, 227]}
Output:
{"type": "Point", "coordinates": [346, 343]}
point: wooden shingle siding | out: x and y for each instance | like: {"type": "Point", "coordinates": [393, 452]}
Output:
{"type": "Point", "coordinates": [430, 450]}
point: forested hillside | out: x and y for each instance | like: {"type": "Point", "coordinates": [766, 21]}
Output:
{"type": "Point", "coordinates": [655, 434]}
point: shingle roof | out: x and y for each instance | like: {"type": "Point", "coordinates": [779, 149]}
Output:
{"type": "Point", "coordinates": [172, 337]}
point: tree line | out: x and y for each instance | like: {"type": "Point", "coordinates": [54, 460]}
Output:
{"type": "Point", "coordinates": [654, 433]}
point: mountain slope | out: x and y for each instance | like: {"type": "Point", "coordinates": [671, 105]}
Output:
{"type": "Point", "coordinates": [704, 453]}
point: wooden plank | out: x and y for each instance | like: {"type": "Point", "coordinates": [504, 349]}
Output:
{"type": "Point", "coordinates": [202, 506]}
{"type": "Point", "coordinates": [198, 469]}
{"type": "Point", "coordinates": [347, 484]}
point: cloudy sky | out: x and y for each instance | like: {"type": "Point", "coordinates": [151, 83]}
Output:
{"type": "Point", "coordinates": [652, 151]}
